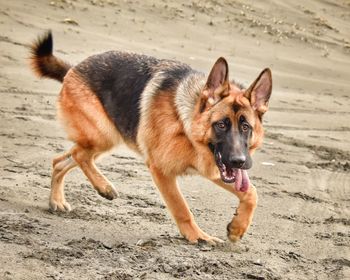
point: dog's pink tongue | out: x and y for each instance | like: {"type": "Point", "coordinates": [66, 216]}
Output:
{"type": "Point", "coordinates": [242, 180]}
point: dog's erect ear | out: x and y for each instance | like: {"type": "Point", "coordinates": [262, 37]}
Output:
{"type": "Point", "coordinates": [218, 74]}
{"type": "Point", "coordinates": [217, 84]}
{"type": "Point", "coordinates": [260, 91]}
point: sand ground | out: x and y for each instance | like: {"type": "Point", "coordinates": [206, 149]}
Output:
{"type": "Point", "coordinates": [301, 227]}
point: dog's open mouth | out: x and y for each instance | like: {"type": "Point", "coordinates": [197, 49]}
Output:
{"type": "Point", "coordinates": [232, 175]}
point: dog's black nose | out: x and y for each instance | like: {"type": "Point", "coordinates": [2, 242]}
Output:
{"type": "Point", "coordinates": [237, 161]}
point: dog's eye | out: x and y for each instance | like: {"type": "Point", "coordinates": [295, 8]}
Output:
{"type": "Point", "coordinates": [221, 125]}
{"type": "Point", "coordinates": [244, 124]}
{"type": "Point", "coordinates": [245, 127]}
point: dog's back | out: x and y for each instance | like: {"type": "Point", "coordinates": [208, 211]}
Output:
{"type": "Point", "coordinates": [119, 79]}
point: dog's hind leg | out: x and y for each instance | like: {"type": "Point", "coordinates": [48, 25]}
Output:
{"type": "Point", "coordinates": [179, 209]}
{"type": "Point", "coordinates": [93, 133]}
{"type": "Point", "coordinates": [85, 158]}
{"type": "Point", "coordinates": [61, 166]}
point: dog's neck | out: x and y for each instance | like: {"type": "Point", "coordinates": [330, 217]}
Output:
{"type": "Point", "coordinates": [187, 95]}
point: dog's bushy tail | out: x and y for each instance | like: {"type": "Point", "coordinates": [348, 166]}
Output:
{"type": "Point", "coordinates": [44, 63]}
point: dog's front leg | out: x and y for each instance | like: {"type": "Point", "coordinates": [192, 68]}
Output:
{"type": "Point", "coordinates": [244, 212]}
{"type": "Point", "coordinates": [179, 209]}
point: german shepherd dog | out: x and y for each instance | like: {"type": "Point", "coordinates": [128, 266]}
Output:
{"type": "Point", "coordinates": [178, 119]}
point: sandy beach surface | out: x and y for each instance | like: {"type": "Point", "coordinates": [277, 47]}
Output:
{"type": "Point", "coordinates": [301, 229]}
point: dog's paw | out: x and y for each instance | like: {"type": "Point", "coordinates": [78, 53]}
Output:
{"type": "Point", "coordinates": [194, 234]}
{"type": "Point", "coordinates": [109, 192]}
{"type": "Point", "coordinates": [236, 229]}
{"type": "Point", "coordinates": [62, 206]}
{"type": "Point", "coordinates": [211, 240]}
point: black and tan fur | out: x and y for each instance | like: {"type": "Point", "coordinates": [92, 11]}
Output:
{"type": "Point", "coordinates": [176, 118]}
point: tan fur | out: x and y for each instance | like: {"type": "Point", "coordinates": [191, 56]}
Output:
{"type": "Point", "coordinates": [172, 147]}
{"type": "Point", "coordinates": [84, 117]}
{"type": "Point", "coordinates": [168, 149]}
{"type": "Point", "coordinates": [164, 137]}
{"type": "Point", "coordinates": [147, 99]}
{"type": "Point", "coordinates": [93, 133]}
{"type": "Point", "coordinates": [43, 62]}
{"type": "Point", "coordinates": [170, 152]}
{"type": "Point", "coordinates": [55, 64]}
{"type": "Point", "coordinates": [178, 207]}
{"type": "Point", "coordinates": [174, 131]}
{"type": "Point", "coordinates": [248, 201]}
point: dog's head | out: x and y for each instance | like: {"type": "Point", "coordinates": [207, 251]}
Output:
{"type": "Point", "coordinates": [228, 121]}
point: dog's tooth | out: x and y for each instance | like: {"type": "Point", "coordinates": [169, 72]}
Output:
{"type": "Point", "coordinates": [223, 167]}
